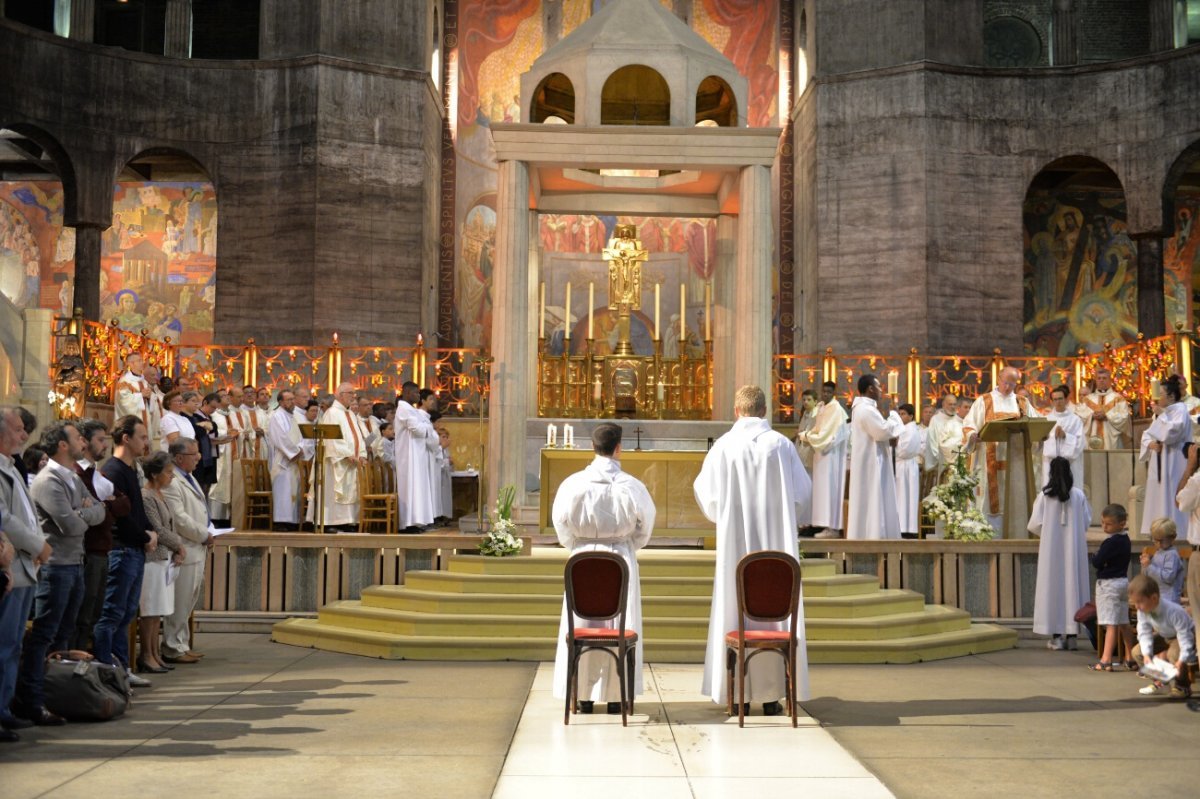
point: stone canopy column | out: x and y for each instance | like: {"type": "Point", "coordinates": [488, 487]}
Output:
{"type": "Point", "coordinates": [178, 34]}
{"type": "Point", "coordinates": [1152, 312]}
{"type": "Point", "coordinates": [1066, 46]}
{"type": "Point", "coordinates": [510, 340]}
{"type": "Point", "coordinates": [1163, 25]}
{"type": "Point", "coordinates": [87, 271]}
{"type": "Point", "coordinates": [752, 334]}
{"type": "Point", "coordinates": [725, 278]}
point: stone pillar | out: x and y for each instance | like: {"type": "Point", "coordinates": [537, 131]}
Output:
{"type": "Point", "coordinates": [1162, 25]}
{"type": "Point", "coordinates": [35, 363]}
{"type": "Point", "coordinates": [87, 271]}
{"type": "Point", "coordinates": [534, 271]}
{"type": "Point", "coordinates": [725, 280]}
{"type": "Point", "coordinates": [510, 339]}
{"type": "Point", "coordinates": [82, 27]}
{"type": "Point", "coordinates": [752, 334]}
{"type": "Point", "coordinates": [178, 34]}
{"type": "Point", "coordinates": [1152, 312]}
{"type": "Point", "coordinates": [1065, 45]}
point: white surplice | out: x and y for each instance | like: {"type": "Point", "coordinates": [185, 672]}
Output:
{"type": "Point", "coordinates": [827, 438]}
{"type": "Point", "coordinates": [1112, 432]}
{"type": "Point", "coordinates": [1172, 428]}
{"type": "Point", "coordinates": [1063, 584]}
{"type": "Point", "coordinates": [943, 441]}
{"type": "Point", "coordinates": [1070, 446]}
{"type": "Point", "coordinates": [128, 400]}
{"type": "Point", "coordinates": [754, 487]}
{"type": "Point", "coordinates": [414, 486]}
{"type": "Point", "coordinates": [1003, 406]}
{"type": "Point", "coordinates": [602, 509]}
{"type": "Point", "coordinates": [872, 513]}
{"type": "Point", "coordinates": [807, 420]}
{"type": "Point", "coordinates": [220, 495]}
{"type": "Point", "coordinates": [286, 443]}
{"type": "Point", "coordinates": [340, 503]}
{"type": "Point", "coordinates": [908, 477]}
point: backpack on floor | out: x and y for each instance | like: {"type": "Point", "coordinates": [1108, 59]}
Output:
{"type": "Point", "coordinates": [80, 688]}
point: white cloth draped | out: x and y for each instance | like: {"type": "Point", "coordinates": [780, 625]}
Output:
{"type": "Point", "coordinates": [129, 400]}
{"type": "Point", "coordinates": [602, 509]}
{"type": "Point", "coordinates": [908, 477]}
{"type": "Point", "coordinates": [943, 441]}
{"type": "Point", "coordinates": [221, 493]}
{"type": "Point", "coordinates": [286, 443]}
{"type": "Point", "coordinates": [1164, 470]}
{"type": "Point", "coordinates": [872, 513]}
{"type": "Point", "coordinates": [414, 484]}
{"type": "Point", "coordinates": [1113, 431]}
{"type": "Point", "coordinates": [827, 439]}
{"type": "Point", "coordinates": [754, 487]}
{"type": "Point", "coordinates": [1062, 569]}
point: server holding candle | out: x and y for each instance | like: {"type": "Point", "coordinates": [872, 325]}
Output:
{"type": "Point", "coordinates": [872, 509]}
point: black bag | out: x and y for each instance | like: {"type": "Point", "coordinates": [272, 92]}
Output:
{"type": "Point", "coordinates": [80, 688]}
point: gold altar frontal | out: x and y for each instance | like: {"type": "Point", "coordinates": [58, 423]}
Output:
{"type": "Point", "coordinates": [668, 476]}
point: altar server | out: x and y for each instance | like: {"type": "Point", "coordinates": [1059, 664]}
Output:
{"type": "Point", "coordinates": [1067, 440]}
{"type": "Point", "coordinates": [287, 450]}
{"type": "Point", "coordinates": [433, 451]}
{"type": "Point", "coordinates": [909, 446]}
{"type": "Point", "coordinates": [342, 456]}
{"type": "Point", "coordinates": [872, 512]}
{"type": "Point", "coordinates": [602, 509]}
{"type": "Point", "coordinates": [413, 486]}
{"type": "Point", "coordinates": [1162, 452]}
{"type": "Point", "coordinates": [1060, 517]}
{"type": "Point", "coordinates": [754, 487]}
{"type": "Point", "coordinates": [827, 439]}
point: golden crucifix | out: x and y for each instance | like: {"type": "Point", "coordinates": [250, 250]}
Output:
{"type": "Point", "coordinates": [625, 256]}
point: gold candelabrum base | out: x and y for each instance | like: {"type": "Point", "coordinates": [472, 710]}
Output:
{"type": "Point", "coordinates": [623, 384]}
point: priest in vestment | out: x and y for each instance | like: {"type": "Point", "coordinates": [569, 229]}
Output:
{"type": "Point", "coordinates": [262, 416]}
{"type": "Point", "coordinates": [287, 450]}
{"type": "Point", "coordinates": [225, 440]}
{"type": "Point", "coordinates": [872, 512]}
{"type": "Point", "coordinates": [1066, 440]}
{"type": "Point", "coordinates": [754, 487]}
{"type": "Point", "coordinates": [154, 407]}
{"type": "Point", "coordinates": [602, 509]}
{"type": "Point", "coordinates": [413, 485]}
{"type": "Point", "coordinates": [132, 391]}
{"type": "Point", "coordinates": [1162, 452]}
{"type": "Point", "coordinates": [241, 420]}
{"type": "Point", "coordinates": [909, 446]}
{"type": "Point", "coordinates": [342, 456]}
{"type": "Point", "coordinates": [943, 439]}
{"type": "Point", "coordinates": [990, 461]}
{"type": "Point", "coordinates": [827, 439]}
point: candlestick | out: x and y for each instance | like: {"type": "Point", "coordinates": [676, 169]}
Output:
{"type": "Point", "coordinates": [708, 311]}
{"type": "Point", "coordinates": [549, 435]}
{"type": "Point", "coordinates": [657, 286]}
{"type": "Point", "coordinates": [567, 314]}
{"type": "Point", "coordinates": [597, 391]}
{"type": "Point", "coordinates": [683, 311]}
{"type": "Point", "coordinates": [591, 306]}
{"type": "Point", "coordinates": [660, 391]}
{"type": "Point", "coordinates": [893, 382]}
{"type": "Point", "coordinates": [542, 311]}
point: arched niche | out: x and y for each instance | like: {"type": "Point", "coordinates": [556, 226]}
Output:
{"type": "Point", "coordinates": [1181, 239]}
{"type": "Point", "coordinates": [716, 103]}
{"type": "Point", "coordinates": [635, 95]}
{"type": "Point", "coordinates": [158, 262]}
{"type": "Point", "coordinates": [553, 98]}
{"type": "Point", "coordinates": [1080, 265]}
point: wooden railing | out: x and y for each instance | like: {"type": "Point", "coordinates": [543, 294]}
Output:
{"type": "Point", "coordinates": [288, 573]}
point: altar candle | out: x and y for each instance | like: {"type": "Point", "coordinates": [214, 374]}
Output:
{"type": "Point", "coordinates": [660, 391]}
{"type": "Point", "coordinates": [657, 286]}
{"type": "Point", "coordinates": [550, 435]}
{"type": "Point", "coordinates": [567, 314]}
{"type": "Point", "coordinates": [597, 391]}
{"type": "Point", "coordinates": [708, 311]}
{"type": "Point", "coordinates": [591, 305]}
{"type": "Point", "coordinates": [683, 311]}
{"type": "Point", "coordinates": [542, 311]}
{"type": "Point", "coordinates": [893, 382]}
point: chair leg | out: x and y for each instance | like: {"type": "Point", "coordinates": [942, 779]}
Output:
{"type": "Point", "coordinates": [729, 660]}
{"type": "Point", "coordinates": [631, 656]}
{"type": "Point", "coordinates": [792, 682]}
{"type": "Point", "coordinates": [621, 682]}
{"type": "Point", "coordinates": [569, 690]}
{"type": "Point", "coordinates": [741, 686]}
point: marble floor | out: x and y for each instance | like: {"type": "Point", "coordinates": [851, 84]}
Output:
{"type": "Point", "coordinates": [678, 744]}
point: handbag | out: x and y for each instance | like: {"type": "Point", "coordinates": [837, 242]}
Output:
{"type": "Point", "coordinates": [80, 688]}
{"type": "Point", "coordinates": [1086, 613]}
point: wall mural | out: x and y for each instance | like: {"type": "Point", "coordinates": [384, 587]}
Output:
{"type": "Point", "coordinates": [1181, 257]}
{"type": "Point", "coordinates": [158, 260]}
{"type": "Point", "coordinates": [498, 41]}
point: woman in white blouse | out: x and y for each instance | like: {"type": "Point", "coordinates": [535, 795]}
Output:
{"type": "Point", "coordinates": [174, 424]}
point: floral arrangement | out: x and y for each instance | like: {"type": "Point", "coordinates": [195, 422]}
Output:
{"type": "Point", "coordinates": [953, 501]}
{"type": "Point", "coordinates": [501, 540]}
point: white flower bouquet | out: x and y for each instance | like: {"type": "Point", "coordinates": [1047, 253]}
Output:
{"type": "Point", "coordinates": [501, 540]}
{"type": "Point", "coordinates": [953, 502]}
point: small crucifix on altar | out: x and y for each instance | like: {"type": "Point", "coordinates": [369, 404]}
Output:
{"type": "Point", "coordinates": [625, 257]}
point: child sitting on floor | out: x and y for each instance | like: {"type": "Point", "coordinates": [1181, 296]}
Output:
{"type": "Point", "coordinates": [1165, 630]}
{"type": "Point", "coordinates": [1164, 564]}
{"type": "Point", "coordinates": [1112, 585]}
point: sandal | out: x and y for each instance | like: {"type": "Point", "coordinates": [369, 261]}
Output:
{"type": "Point", "coordinates": [1132, 665]}
{"type": "Point", "coordinates": [1100, 666]}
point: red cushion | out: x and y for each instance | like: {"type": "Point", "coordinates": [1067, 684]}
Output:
{"type": "Point", "coordinates": [603, 632]}
{"type": "Point", "coordinates": [759, 635]}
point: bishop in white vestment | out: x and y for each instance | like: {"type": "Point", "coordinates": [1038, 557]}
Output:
{"type": "Point", "coordinates": [287, 451]}
{"type": "Point", "coordinates": [827, 439]}
{"type": "Point", "coordinates": [1162, 452]}
{"type": "Point", "coordinates": [872, 513]}
{"type": "Point", "coordinates": [342, 456]}
{"type": "Point", "coordinates": [909, 446]}
{"type": "Point", "coordinates": [602, 509]}
{"type": "Point", "coordinates": [754, 487]}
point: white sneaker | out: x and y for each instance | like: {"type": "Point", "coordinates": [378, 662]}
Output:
{"type": "Point", "coordinates": [828, 533]}
{"type": "Point", "coordinates": [1056, 643]}
{"type": "Point", "coordinates": [136, 681]}
{"type": "Point", "coordinates": [1153, 689]}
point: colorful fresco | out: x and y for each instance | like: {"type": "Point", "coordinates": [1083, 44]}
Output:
{"type": "Point", "coordinates": [499, 40]}
{"type": "Point", "coordinates": [37, 255]}
{"type": "Point", "coordinates": [1080, 274]}
{"type": "Point", "coordinates": [158, 262]}
{"type": "Point", "coordinates": [1181, 257]}
{"type": "Point", "coordinates": [473, 274]}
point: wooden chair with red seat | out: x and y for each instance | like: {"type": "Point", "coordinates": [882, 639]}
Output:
{"type": "Point", "coordinates": [768, 590]}
{"type": "Point", "coordinates": [597, 589]}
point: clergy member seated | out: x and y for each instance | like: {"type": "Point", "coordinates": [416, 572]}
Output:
{"type": "Point", "coordinates": [754, 487]}
{"type": "Point", "coordinates": [602, 509]}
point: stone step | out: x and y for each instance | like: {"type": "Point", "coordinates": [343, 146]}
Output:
{"type": "Point", "coordinates": [651, 563]}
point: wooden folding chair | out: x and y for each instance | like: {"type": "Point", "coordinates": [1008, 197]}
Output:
{"type": "Point", "coordinates": [378, 505]}
{"type": "Point", "coordinates": [260, 501]}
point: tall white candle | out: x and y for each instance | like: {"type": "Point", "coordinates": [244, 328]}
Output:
{"type": "Point", "coordinates": [708, 311]}
{"type": "Point", "coordinates": [591, 306]}
{"type": "Point", "coordinates": [567, 314]}
{"type": "Point", "coordinates": [893, 382]}
{"type": "Point", "coordinates": [542, 311]}
{"type": "Point", "coordinates": [683, 311]}
{"type": "Point", "coordinates": [657, 286]}
{"type": "Point", "coordinates": [549, 435]}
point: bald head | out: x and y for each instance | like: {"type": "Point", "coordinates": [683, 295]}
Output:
{"type": "Point", "coordinates": [1008, 379]}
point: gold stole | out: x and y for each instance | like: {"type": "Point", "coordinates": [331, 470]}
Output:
{"type": "Point", "coordinates": [1104, 406]}
{"type": "Point", "coordinates": [992, 460]}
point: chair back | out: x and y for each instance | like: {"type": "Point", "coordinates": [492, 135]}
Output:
{"type": "Point", "coordinates": [768, 586]}
{"type": "Point", "coordinates": [597, 587]}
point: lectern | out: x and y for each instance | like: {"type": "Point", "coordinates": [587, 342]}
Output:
{"type": "Point", "coordinates": [1030, 431]}
{"type": "Point", "coordinates": [321, 433]}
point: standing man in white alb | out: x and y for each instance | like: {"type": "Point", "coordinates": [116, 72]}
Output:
{"type": "Point", "coordinates": [154, 406]}
{"type": "Point", "coordinates": [943, 439]}
{"type": "Point", "coordinates": [872, 512]}
{"type": "Point", "coordinates": [132, 391]}
{"type": "Point", "coordinates": [909, 446]}
{"type": "Point", "coordinates": [602, 509]}
{"type": "Point", "coordinates": [754, 487]}
{"type": "Point", "coordinates": [1066, 440]}
{"type": "Point", "coordinates": [827, 438]}
{"type": "Point", "coordinates": [339, 502]}
{"type": "Point", "coordinates": [991, 461]}
{"type": "Point", "coordinates": [414, 487]}
{"type": "Point", "coordinates": [287, 450]}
